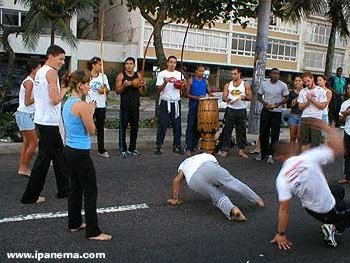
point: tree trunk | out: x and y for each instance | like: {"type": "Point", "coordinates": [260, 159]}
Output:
{"type": "Point", "coordinates": [6, 89]}
{"type": "Point", "coordinates": [264, 12]}
{"type": "Point", "coordinates": [52, 35]}
{"type": "Point", "coordinates": [158, 45]}
{"type": "Point", "coordinates": [330, 51]}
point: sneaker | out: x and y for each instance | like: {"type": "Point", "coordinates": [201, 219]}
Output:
{"type": "Point", "coordinates": [328, 231]}
{"type": "Point", "coordinates": [105, 155]}
{"type": "Point", "coordinates": [157, 151]}
{"type": "Point", "coordinates": [134, 152]}
{"type": "Point", "coordinates": [178, 149]}
{"type": "Point", "coordinates": [258, 158]}
{"type": "Point", "coordinates": [270, 160]}
{"type": "Point", "coordinates": [123, 155]}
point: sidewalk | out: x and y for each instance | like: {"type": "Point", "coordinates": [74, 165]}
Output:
{"type": "Point", "coordinates": [146, 136]}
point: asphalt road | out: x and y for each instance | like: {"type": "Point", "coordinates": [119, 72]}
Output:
{"type": "Point", "coordinates": [193, 232]}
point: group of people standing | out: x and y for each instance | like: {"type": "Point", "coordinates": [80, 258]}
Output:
{"type": "Point", "coordinates": [84, 112]}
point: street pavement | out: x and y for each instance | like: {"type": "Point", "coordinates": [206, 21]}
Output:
{"type": "Point", "coordinates": [194, 232]}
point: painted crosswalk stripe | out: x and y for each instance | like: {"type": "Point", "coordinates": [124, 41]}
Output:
{"type": "Point", "coordinates": [112, 209]}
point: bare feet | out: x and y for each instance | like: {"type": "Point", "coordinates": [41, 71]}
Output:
{"type": "Point", "coordinates": [24, 173]}
{"type": "Point", "coordinates": [82, 226]}
{"type": "Point", "coordinates": [344, 181]}
{"type": "Point", "coordinates": [260, 203]}
{"type": "Point", "coordinates": [40, 199]}
{"type": "Point", "coordinates": [236, 214]}
{"type": "Point", "coordinates": [242, 154]}
{"type": "Point", "coordinates": [101, 237]}
{"type": "Point", "coordinates": [223, 154]}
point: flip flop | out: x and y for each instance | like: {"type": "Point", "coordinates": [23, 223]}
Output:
{"type": "Point", "coordinates": [82, 226]}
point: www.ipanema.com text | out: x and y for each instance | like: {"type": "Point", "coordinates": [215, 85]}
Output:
{"type": "Point", "coordinates": [54, 255]}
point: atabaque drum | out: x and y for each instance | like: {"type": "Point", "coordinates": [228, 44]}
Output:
{"type": "Point", "coordinates": [208, 123]}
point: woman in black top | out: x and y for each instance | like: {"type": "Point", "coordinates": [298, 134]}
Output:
{"type": "Point", "coordinates": [295, 112]}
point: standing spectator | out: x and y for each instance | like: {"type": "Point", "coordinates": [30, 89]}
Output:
{"type": "Point", "coordinates": [98, 93]}
{"type": "Point", "coordinates": [197, 87]}
{"type": "Point", "coordinates": [344, 117]}
{"type": "Point", "coordinates": [322, 82]}
{"type": "Point", "coordinates": [130, 87]}
{"type": "Point", "coordinates": [236, 93]}
{"type": "Point", "coordinates": [79, 123]}
{"type": "Point", "coordinates": [295, 112]}
{"type": "Point", "coordinates": [337, 85]}
{"type": "Point", "coordinates": [275, 94]}
{"type": "Point", "coordinates": [312, 100]}
{"type": "Point", "coordinates": [48, 96]}
{"type": "Point", "coordinates": [25, 118]}
{"type": "Point", "coordinates": [169, 106]}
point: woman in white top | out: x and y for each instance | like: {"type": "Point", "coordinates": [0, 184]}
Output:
{"type": "Point", "coordinates": [98, 93]}
{"type": "Point", "coordinates": [322, 82]}
{"type": "Point", "coordinates": [25, 119]}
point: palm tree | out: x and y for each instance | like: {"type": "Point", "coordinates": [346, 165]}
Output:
{"type": "Point", "coordinates": [339, 15]}
{"type": "Point", "coordinates": [56, 14]}
{"type": "Point", "coordinates": [336, 11]}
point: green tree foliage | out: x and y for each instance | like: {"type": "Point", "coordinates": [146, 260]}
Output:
{"type": "Point", "coordinates": [197, 13]}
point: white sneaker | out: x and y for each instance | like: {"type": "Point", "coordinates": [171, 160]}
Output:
{"type": "Point", "coordinates": [134, 152]}
{"type": "Point", "coordinates": [105, 155]}
{"type": "Point", "coordinates": [328, 231]}
{"type": "Point", "coordinates": [258, 158]}
{"type": "Point", "coordinates": [270, 160]}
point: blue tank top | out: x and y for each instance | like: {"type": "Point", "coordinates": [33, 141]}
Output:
{"type": "Point", "coordinates": [76, 133]}
{"type": "Point", "coordinates": [198, 88]}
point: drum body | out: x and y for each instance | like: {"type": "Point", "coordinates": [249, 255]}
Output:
{"type": "Point", "coordinates": [208, 123]}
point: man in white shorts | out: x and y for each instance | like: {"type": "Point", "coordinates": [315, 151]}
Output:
{"type": "Point", "coordinates": [205, 176]}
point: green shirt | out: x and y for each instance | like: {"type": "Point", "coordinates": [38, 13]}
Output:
{"type": "Point", "coordinates": [339, 84]}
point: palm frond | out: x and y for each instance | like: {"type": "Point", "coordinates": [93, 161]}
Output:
{"type": "Point", "coordinates": [32, 33]}
{"type": "Point", "coordinates": [66, 32]}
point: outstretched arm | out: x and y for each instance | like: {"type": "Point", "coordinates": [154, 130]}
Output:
{"type": "Point", "coordinates": [176, 189]}
{"type": "Point", "coordinates": [280, 238]}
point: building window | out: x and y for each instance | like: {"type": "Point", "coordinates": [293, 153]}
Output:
{"type": "Point", "coordinates": [319, 34]}
{"type": "Point", "coordinates": [201, 40]}
{"type": "Point", "coordinates": [10, 17]}
{"type": "Point", "coordinates": [244, 45]}
{"type": "Point", "coordinates": [315, 59]}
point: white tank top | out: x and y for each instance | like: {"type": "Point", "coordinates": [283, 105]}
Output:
{"type": "Point", "coordinates": [45, 112]}
{"type": "Point", "coordinates": [22, 94]}
{"type": "Point", "coordinates": [234, 93]}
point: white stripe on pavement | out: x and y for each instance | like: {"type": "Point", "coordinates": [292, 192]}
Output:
{"type": "Point", "coordinates": [65, 213]}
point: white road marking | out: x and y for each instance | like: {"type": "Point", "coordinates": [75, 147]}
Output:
{"type": "Point", "coordinates": [112, 209]}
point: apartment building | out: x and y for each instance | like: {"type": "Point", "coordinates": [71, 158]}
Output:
{"type": "Point", "coordinates": [293, 48]}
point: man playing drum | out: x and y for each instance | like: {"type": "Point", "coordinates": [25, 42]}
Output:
{"type": "Point", "coordinates": [197, 87]}
{"type": "Point", "coordinates": [205, 176]}
{"type": "Point", "coordinates": [236, 93]}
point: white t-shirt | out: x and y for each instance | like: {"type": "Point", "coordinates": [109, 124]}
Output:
{"type": "Point", "coordinates": [191, 164]}
{"type": "Point", "coordinates": [169, 92]}
{"type": "Point", "coordinates": [344, 106]}
{"type": "Point", "coordinates": [234, 94]}
{"type": "Point", "coordinates": [93, 95]}
{"type": "Point", "coordinates": [45, 112]}
{"type": "Point", "coordinates": [312, 111]}
{"type": "Point", "coordinates": [303, 176]}
{"type": "Point", "coordinates": [22, 94]}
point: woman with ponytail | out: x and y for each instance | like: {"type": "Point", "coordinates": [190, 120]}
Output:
{"type": "Point", "coordinates": [79, 124]}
